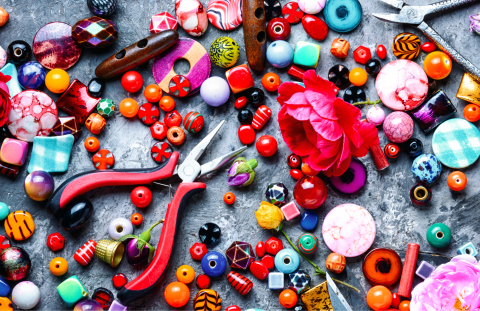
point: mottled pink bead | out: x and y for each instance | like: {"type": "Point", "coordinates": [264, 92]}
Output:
{"type": "Point", "coordinates": [375, 115]}
{"type": "Point", "coordinates": [191, 16]}
{"type": "Point", "coordinates": [398, 127]}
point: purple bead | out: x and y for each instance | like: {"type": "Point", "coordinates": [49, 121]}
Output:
{"type": "Point", "coordinates": [215, 91]}
{"type": "Point", "coordinates": [353, 180]}
{"type": "Point", "coordinates": [433, 112]}
{"type": "Point", "coordinates": [31, 75]}
{"type": "Point", "coordinates": [117, 306]}
{"type": "Point", "coordinates": [424, 270]}
{"type": "Point", "coordinates": [88, 305]}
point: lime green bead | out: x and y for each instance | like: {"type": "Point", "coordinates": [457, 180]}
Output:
{"type": "Point", "coordinates": [224, 52]}
{"type": "Point", "coordinates": [72, 291]}
{"type": "Point", "coordinates": [439, 235]}
{"type": "Point", "coordinates": [306, 54]}
{"type": "Point", "coordinates": [307, 243]}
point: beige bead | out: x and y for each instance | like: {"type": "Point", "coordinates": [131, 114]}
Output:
{"type": "Point", "coordinates": [3, 16]}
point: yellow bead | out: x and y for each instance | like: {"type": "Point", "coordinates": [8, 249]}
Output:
{"type": "Point", "coordinates": [185, 274]}
{"type": "Point", "coordinates": [358, 76]}
{"type": "Point", "coordinates": [224, 52]}
{"type": "Point", "coordinates": [57, 81]}
{"type": "Point", "coordinates": [58, 266]}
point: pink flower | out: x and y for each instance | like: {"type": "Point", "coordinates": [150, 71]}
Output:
{"type": "Point", "coordinates": [321, 128]}
{"type": "Point", "coordinates": [5, 103]}
{"type": "Point", "coordinates": [452, 286]}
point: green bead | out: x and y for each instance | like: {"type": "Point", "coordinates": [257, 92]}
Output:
{"type": "Point", "coordinates": [72, 291]}
{"type": "Point", "coordinates": [224, 52]}
{"type": "Point", "coordinates": [106, 108]}
{"type": "Point", "coordinates": [307, 243]}
{"type": "Point", "coordinates": [306, 54]}
{"type": "Point", "coordinates": [439, 235]}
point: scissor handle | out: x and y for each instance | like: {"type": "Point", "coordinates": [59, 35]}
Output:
{"type": "Point", "coordinates": [145, 283]}
{"type": "Point", "coordinates": [447, 5]}
{"type": "Point", "coordinates": [79, 184]}
{"type": "Point", "coordinates": [448, 49]}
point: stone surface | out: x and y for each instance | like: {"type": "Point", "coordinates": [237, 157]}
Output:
{"type": "Point", "coordinates": [385, 196]}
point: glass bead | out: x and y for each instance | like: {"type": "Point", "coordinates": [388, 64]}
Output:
{"type": "Point", "coordinates": [240, 283]}
{"type": "Point", "coordinates": [19, 225]}
{"type": "Point", "coordinates": [77, 102]}
{"type": "Point", "coordinates": [276, 280]}
{"type": "Point", "coordinates": [31, 75]}
{"type": "Point", "coordinates": [4, 288]}
{"type": "Point", "coordinates": [424, 269]}
{"type": "Point", "coordinates": [104, 297]}
{"type": "Point", "coordinates": [210, 234]}
{"type": "Point", "coordinates": [256, 97]}
{"type": "Point", "coordinates": [434, 111]}
{"type": "Point", "coordinates": [128, 107]}
{"type": "Point", "coordinates": [260, 249]}
{"type": "Point", "coordinates": [273, 9]}
{"type": "Point", "coordinates": [245, 116]}
{"type": "Point", "coordinates": [54, 161]}
{"type": "Point", "coordinates": [392, 150]}
{"type": "Point", "coordinates": [6, 304]}
{"type": "Point", "coordinates": [353, 95]}
{"type": "Point", "coordinates": [14, 86]}
{"type": "Point", "coordinates": [66, 126]}
{"type": "Point", "coordinates": [382, 266]}
{"type": "Point", "coordinates": [213, 264]}
{"type": "Point", "coordinates": [335, 262]}
{"type": "Point", "coordinates": [57, 81]}
{"type": "Point", "coordinates": [95, 87]}
{"type": "Point", "coordinates": [287, 261]}
{"type": "Point", "coordinates": [95, 123]}
{"type": "Point", "coordinates": [294, 161]}
{"type": "Point", "coordinates": [240, 255]}
{"type": "Point", "coordinates": [193, 122]}
{"type": "Point", "coordinates": [92, 144]}
{"type": "Point", "coordinates": [398, 127]}
{"type": "Point", "coordinates": [119, 280]}
{"type": "Point", "coordinates": [13, 151]}
{"type": "Point", "coordinates": [307, 243]}
{"type": "Point", "coordinates": [71, 291]}
{"type": "Point", "coordinates": [278, 29]}
{"type": "Point", "coordinates": [467, 249]}
{"type": "Point", "coordinates": [239, 78]}
{"type": "Point", "coordinates": [161, 152]}
{"type": "Point", "coordinates": [119, 227]}
{"type": "Point", "coordinates": [102, 8]}
{"type": "Point", "coordinates": [352, 181]}
{"type": "Point", "coordinates": [259, 270]}
{"type": "Point", "coordinates": [266, 145]}
{"type": "Point", "coordinates": [373, 67]}
{"type": "Point", "coordinates": [420, 194]}
{"type": "Point", "coordinates": [76, 214]}
{"type": "Point", "coordinates": [18, 52]}
{"type": "Point", "coordinates": [299, 281]}
{"type": "Point", "coordinates": [306, 54]}
{"type": "Point", "coordinates": [85, 253]}
{"type": "Point", "coordinates": [316, 28]}
{"type": "Point", "coordinates": [269, 261]}
{"type": "Point", "coordinates": [280, 54]}
{"type": "Point", "coordinates": [290, 211]}
{"type": "Point", "coordinates": [88, 305]}
{"type": "Point", "coordinates": [343, 15]}
{"type": "Point", "coordinates": [177, 294]}
{"type": "Point", "coordinates": [309, 220]}
{"type": "Point", "coordinates": [439, 235]}
{"type": "Point", "coordinates": [148, 114]}
{"type": "Point", "coordinates": [106, 108]}
{"type": "Point", "coordinates": [224, 52]}
{"type": "Point", "coordinates": [95, 32]}
{"type": "Point", "coordinates": [273, 245]}
{"type": "Point", "coordinates": [55, 241]}
{"type": "Point", "coordinates": [153, 93]}
{"type": "Point", "coordinates": [15, 263]}
{"type": "Point", "coordinates": [117, 306]}
{"type": "Point", "coordinates": [26, 295]}
{"type": "Point", "coordinates": [413, 147]}
{"type": "Point", "coordinates": [276, 193]}
{"type": "Point", "coordinates": [457, 181]}
{"type": "Point", "coordinates": [426, 168]}
{"type": "Point", "coordinates": [379, 298]}
{"type": "Point", "coordinates": [203, 281]}
{"type": "Point", "coordinates": [207, 299]}
{"type": "Point", "coordinates": [340, 48]}
{"type": "Point", "coordinates": [338, 75]}
{"type": "Point", "coordinates": [292, 13]}
{"type": "Point", "coordinates": [310, 192]}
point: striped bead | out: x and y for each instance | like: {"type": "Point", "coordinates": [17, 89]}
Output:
{"type": "Point", "coordinates": [240, 283]}
{"type": "Point", "coordinates": [85, 253]}
{"type": "Point", "coordinates": [193, 122]}
{"type": "Point", "coordinates": [307, 243]}
{"type": "Point", "coordinates": [225, 14]}
{"type": "Point", "coordinates": [406, 46]}
{"type": "Point", "coordinates": [207, 299]}
{"type": "Point", "coordinates": [19, 225]}
{"type": "Point", "coordinates": [261, 117]}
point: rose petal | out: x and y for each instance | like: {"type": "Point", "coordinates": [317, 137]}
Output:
{"type": "Point", "coordinates": [322, 104]}
{"type": "Point", "coordinates": [317, 84]}
{"type": "Point", "coordinates": [328, 129]}
{"type": "Point", "coordinates": [310, 133]}
{"type": "Point", "coordinates": [329, 148]}
{"type": "Point", "coordinates": [298, 107]}
{"type": "Point", "coordinates": [286, 91]}
{"type": "Point", "coordinates": [369, 134]}
{"type": "Point", "coordinates": [294, 134]}
{"type": "Point", "coordinates": [348, 116]}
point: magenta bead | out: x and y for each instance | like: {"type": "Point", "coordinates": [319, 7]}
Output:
{"type": "Point", "coordinates": [310, 192]}
{"type": "Point", "coordinates": [398, 127]}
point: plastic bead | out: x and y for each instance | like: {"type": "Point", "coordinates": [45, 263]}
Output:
{"type": "Point", "coordinates": [136, 219]}
{"type": "Point", "coordinates": [104, 297]}
{"type": "Point", "coordinates": [343, 16]}
{"type": "Point", "coordinates": [55, 241]}
{"type": "Point", "coordinates": [315, 27]}
{"type": "Point", "coordinates": [167, 103]}
{"type": "Point", "coordinates": [239, 78]}
{"type": "Point", "coordinates": [31, 75]}
{"type": "Point", "coordinates": [467, 249]}
{"type": "Point", "coordinates": [241, 101]}
{"type": "Point", "coordinates": [437, 65]}
{"type": "Point", "coordinates": [245, 116]}
{"type": "Point", "coordinates": [259, 270]}
{"type": "Point", "coordinates": [175, 136]}
{"type": "Point", "coordinates": [179, 86]}
{"type": "Point", "coordinates": [413, 147]}
{"type": "Point", "coordinates": [207, 299]}
{"type": "Point", "coordinates": [213, 264]}
{"type": "Point", "coordinates": [85, 253]}
{"type": "Point", "coordinates": [229, 198]}
{"type": "Point", "coordinates": [335, 263]}
{"type": "Point", "coordinates": [471, 113]}
{"type": "Point", "coordinates": [266, 146]}
{"type": "Point", "coordinates": [260, 249]}
{"type": "Point", "coordinates": [132, 81]}
{"type": "Point", "coordinates": [290, 211]}
{"type": "Point", "coordinates": [198, 250]}
{"type": "Point", "coordinates": [26, 295]}
{"type": "Point", "coordinates": [148, 114]}
{"type": "Point", "coordinates": [373, 67]}
{"type": "Point", "coordinates": [71, 291]}
{"type": "Point", "coordinates": [276, 280]}
{"type": "Point", "coordinates": [203, 281]}
{"type": "Point", "coordinates": [6, 304]}
{"type": "Point", "coordinates": [119, 280]}
{"type": "Point", "coordinates": [224, 52]}
{"type": "Point", "coordinates": [215, 91]}
{"type": "Point", "coordinates": [58, 266]}
{"type": "Point", "coordinates": [381, 51]}
{"type": "Point", "coordinates": [128, 107]}
{"type": "Point", "coordinates": [153, 93]}
{"type": "Point", "coordinates": [358, 76]}
{"type": "Point", "coordinates": [375, 115]}
{"type": "Point", "coordinates": [339, 75]}
{"type": "Point", "coordinates": [268, 261]}
{"type": "Point", "coordinates": [4, 211]}
{"type": "Point", "coordinates": [185, 274]}
{"type": "Point", "coordinates": [280, 54]}
{"type": "Point", "coordinates": [340, 48]}
{"type": "Point", "coordinates": [141, 196]}
{"type": "Point", "coordinates": [296, 174]}
{"type": "Point", "coordinates": [420, 194]}
{"type": "Point", "coordinates": [57, 80]}
{"type": "Point", "coordinates": [309, 220]}
{"type": "Point", "coordinates": [307, 243]}
{"type": "Point", "coordinates": [209, 234]}
{"type": "Point", "coordinates": [439, 235]}
{"type": "Point", "coordinates": [287, 261]}
{"type": "Point", "coordinates": [246, 134]}
{"type": "Point", "coordinates": [306, 54]}
{"type": "Point", "coordinates": [193, 122]}
{"type": "Point", "coordinates": [103, 159]}
{"type": "Point", "coordinates": [95, 87]}
{"type": "Point", "coordinates": [92, 144]}
{"type": "Point", "coordinates": [161, 152]}
{"type": "Point", "coordinates": [426, 168]}
{"type": "Point", "coordinates": [119, 227]}
{"type": "Point", "coordinates": [362, 55]}
{"type": "Point", "coordinates": [19, 226]}
{"type": "Point", "coordinates": [159, 130]}
{"type": "Point", "coordinates": [296, 72]}
{"type": "Point", "coordinates": [310, 192]}
{"type": "Point", "coordinates": [239, 282]}
{"type": "Point", "coordinates": [18, 52]}
{"type": "Point", "coordinates": [177, 294]}
{"type": "Point", "coordinates": [299, 281]}
{"type": "Point", "coordinates": [379, 298]}
{"type": "Point", "coordinates": [428, 47]}
{"type": "Point", "coordinates": [39, 185]}
{"type": "Point", "coordinates": [457, 181]}
{"type": "Point", "coordinates": [288, 298]}
{"type": "Point", "coordinates": [278, 29]}
{"type": "Point", "coordinates": [392, 150]}
{"type": "Point", "coordinates": [95, 123]}
{"type": "Point", "coordinates": [106, 108]}
{"type": "Point", "coordinates": [270, 81]}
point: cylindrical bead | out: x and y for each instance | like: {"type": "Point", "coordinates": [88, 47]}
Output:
{"type": "Point", "coordinates": [261, 117]}
{"type": "Point", "coordinates": [239, 282]}
{"type": "Point", "coordinates": [408, 272]}
{"type": "Point", "coordinates": [11, 171]}
{"type": "Point", "coordinates": [379, 157]}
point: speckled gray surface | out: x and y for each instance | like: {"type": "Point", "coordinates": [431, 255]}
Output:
{"type": "Point", "coordinates": [386, 194]}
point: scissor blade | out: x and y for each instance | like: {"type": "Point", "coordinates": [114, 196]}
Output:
{"type": "Point", "coordinates": [198, 150]}
{"type": "Point", "coordinates": [335, 291]}
{"type": "Point", "coordinates": [395, 3]}
{"type": "Point", "coordinates": [388, 17]}
{"type": "Point", "coordinates": [218, 162]}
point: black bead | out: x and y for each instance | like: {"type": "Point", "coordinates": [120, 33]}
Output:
{"type": "Point", "coordinates": [413, 147]}
{"type": "Point", "coordinates": [96, 86]}
{"type": "Point", "coordinates": [18, 52]}
{"type": "Point", "coordinates": [373, 67]}
{"type": "Point", "coordinates": [76, 215]}
{"type": "Point", "coordinates": [256, 97]}
{"type": "Point", "coordinates": [354, 94]}
{"type": "Point", "coordinates": [209, 234]}
{"type": "Point", "coordinates": [245, 116]}
{"type": "Point", "coordinates": [273, 9]}
{"type": "Point", "coordinates": [338, 75]}
{"type": "Point", "coordinates": [102, 8]}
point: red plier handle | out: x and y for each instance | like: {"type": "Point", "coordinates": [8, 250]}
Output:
{"type": "Point", "coordinates": [79, 184]}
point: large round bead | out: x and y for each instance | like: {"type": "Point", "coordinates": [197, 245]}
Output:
{"type": "Point", "coordinates": [398, 127]}
{"type": "Point", "coordinates": [310, 192]}
{"type": "Point", "coordinates": [95, 32]}
{"type": "Point", "coordinates": [15, 263]}
{"type": "Point", "coordinates": [224, 52]}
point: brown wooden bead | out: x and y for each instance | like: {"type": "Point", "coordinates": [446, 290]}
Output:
{"type": "Point", "coordinates": [255, 33]}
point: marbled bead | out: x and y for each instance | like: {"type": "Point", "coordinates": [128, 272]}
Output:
{"type": "Point", "coordinates": [426, 168]}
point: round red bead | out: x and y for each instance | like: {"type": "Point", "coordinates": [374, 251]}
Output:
{"type": "Point", "coordinates": [294, 161]}
{"type": "Point", "coordinates": [429, 47]}
{"type": "Point", "coordinates": [246, 134]}
{"type": "Point", "coordinates": [395, 300]}
{"type": "Point", "coordinates": [267, 146]}
{"type": "Point", "coordinates": [193, 122]}
{"type": "Point", "coordinates": [132, 81]}
{"type": "Point", "coordinates": [381, 52]}
{"type": "Point", "coordinates": [315, 27]}
{"type": "Point", "coordinates": [148, 113]}
{"type": "Point", "coordinates": [278, 29]}
{"type": "Point", "coordinates": [310, 192]}
{"type": "Point", "coordinates": [268, 261]}
{"type": "Point", "coordinates": [292, 13]}
{"type": "Point", "coordinates": [259, 270]}
{"type": "Point", "coordinates": [241, 102]}
{"type": "Point", "coordinates": [203, 281]}
{"type": "Point", "coordinates": [296, 174]}
{"type": "Point", "coordinates": [119, 280]}
{"type": "Point", "coordinates": [141, 196]}
{"type": "Point", "coordinates": [233, 308]}
{"type": "Point", "coordinates": [260, 249]}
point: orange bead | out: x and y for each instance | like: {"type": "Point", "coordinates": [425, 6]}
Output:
{"type": "Point", "coordinates": [457, 181]}
{"type": "Point", "coordinates": [177, 294]}
{"type": "Point", "coordinates": [288, 298]}
{"type": "Point", "coordinates": [271, 81]}
{"type": "Point", "coordinates": [308, 171]}
{"type": "Point", "coordinates": [437, 65]}
{"type": "Point", "coordinates": [404, 305]}
{"type": "Point", "coordinates": [92, 144]}
{"type": "Point", "coordinates": [358, 76]}
{"type": "Point", "coordinates": [175, 135]}
{"type": "Point", "coordinates": [185, 274]}
{"type": "Point", "coordinates": [153, 93]}
{"type": "Point", "coordinates": [167, 103]}
{"type": "Point", "coordinates": [379, 298]}
{"type": "Point", "coordinates": [229, 198]}
{"type": "Point", "coordinates": [128, 107]}
{"type": "Point", "coordinates": [58, 266]}
{"type": "Point", "coordinates": [136, 219]}
{"type": "Point", "coordinates": [471, 113]}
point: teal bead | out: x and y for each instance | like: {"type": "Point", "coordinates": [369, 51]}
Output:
{"type": "Point", "coordinates": [306, 54]}
{"type": "Point", "coordinates": [51, 154]}
{"type": "Point", "coordinates": [287, 261]}
{"type": "Point", "coordinates": [72, 291]}
{"type": "Point", "coordinates": [4, 211]}
{"type": "Point", "coordinates": [307, 243]}
{"type": "Point", "coordinates": [439, 235]}
{"type": "Point", "coordinates": [106, 108]}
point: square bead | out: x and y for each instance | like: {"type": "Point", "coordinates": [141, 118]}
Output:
{"type": "Point", "coordinates": [76, 101]}
{"type": "Point", "coordinates": [51, 154]}
{"type": "Point", "coordinates": [424, 270]}
{"type": "Point", "coordinates": [434, 111]}
{"type": "Point", "coordinates": [13, 151]}
{"type": "Point", "coordinates": [117, 306]}
{"type": "Point", "coordinates": [13, 85]}
{"type": "Point", "coordinates": [290, 211]}
{"type": "Point", "coordinates": [276, 280]}
{"type": "Point", "coordinates": [469, 89]}
{"type": "Point", "coordinates": [72, 291]}
{"type": "Point", "coordinates": [239, 78]}
{"type": "Point", "coordinates": [306, 54]}
{"type": "Point", "coordinates": [467, 249]}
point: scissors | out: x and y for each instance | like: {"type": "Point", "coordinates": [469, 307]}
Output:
{"type": "Point", "coordinates": [336, 297]}
{"type": "Point", "coordinates": [188, 171]}
{"type": "Point", "coordinates": [414, 15]}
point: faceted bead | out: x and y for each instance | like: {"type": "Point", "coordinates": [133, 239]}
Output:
{"type": "Point", "coordinates": [72, 290]}
{"type": "Point", "coordinates": [287, 261]}
{"type": "Point", "coordinates": [310, 192]}
{"type": "Point", "coordinates": [315, 27]}
{"type": "Point", "coordinates": [240, 255]}
{"type": "Point", "coordinates": [413, 147]}
{"type": "Point", "coordinates": [306, 54]}
{"type": "Point", "coordinates": [55, 241]}
{"type": "Point", "coordinates": [273, 245]}
{"type": "Point", "coordinates": [259, 270]}
{"type": "Point", "coordinates": [307, 243]}
{"type": "Point", "coordinates": [162, 21]}
{"type": "Point", "coordinates": [439, 235]}
{"type": "Point", "coordinates": [102, 8]}
{"type": "Point", "coordinates": [276, 193]}
{"type": "Point", "coordinates": [245, 116]}
{"type": "Point", "coordinates": [362, 55]}
{"type": "Point", "coordinates": [119, 280]}
{"type": "Point", "coordinates": [246, 134]}
{"type": "Point", "coordinates": [260, 249]}
{"type": "Point", "coordinates": [148, 114]}
{"type": "Point", "coordinates": [117, 306]}
{"type": "Point", "coordinates": [424, 270]}
{"type": "Point", "coordinates": [276, 280]}
{"type": "Point", "coordinates": [273, 9]}
{"type": "Point", "coordinates": [309, 220]}
{"type": "Point", "coordinates": [239, 282]}
{"type": "Point", "coordinates": [106, 108]}
{"type": "Point", "coordinates": [67, 126]}
{"type": "Point", "coordinates": [103, 159]}
{"type": "Point", "coordinates": [161, 151]}
{"type": "Point", "coordinates": [354, 94]}
{"type": "Point", "coordinates": [338, 74]}
{"type": "Point", "coordinates": [159, 130]}
{"type": "Point", "coordinates": [173, 118]}
{"type": "Point", "coordinates": [278, 29]}
{"type": "Point", "coordinates": [203, 281]}
{"type": "Point", "coordinates": [95, 87]}
{"type": "Point", "coordinates": [85, 253]}
{"type": "Point", "coordinates": [213, 264]}
{"type": "Point", "coordinates": [292, 13]}
{"type": "Point", "coordinates": [209, 234]}
{"type": "Point", "coordinates": [198, 250]}
{"type": "Point", "coordinates": [95, 32]}
{"type": "Point", "coordinates": [467, 249]}
{"type": "Point", "coordinates": [76, 215]}
{"type": "Point", "coordinates": [268, 261]}
{"type": "Point", "coordinates": [104, 297]}
{"type": "Point", "coordinates": [299, 281]}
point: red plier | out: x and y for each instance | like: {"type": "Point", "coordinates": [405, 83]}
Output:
{"type": "Point", "coordinates": [188, 171]}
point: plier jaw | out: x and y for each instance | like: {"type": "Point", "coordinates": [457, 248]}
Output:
{"type": "Point", "coordinates": [413, 15]}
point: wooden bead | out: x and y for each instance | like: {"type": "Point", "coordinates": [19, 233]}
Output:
{"type": "Point", "coordinates": [255, 33]}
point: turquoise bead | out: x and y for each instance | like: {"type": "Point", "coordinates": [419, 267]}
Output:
{"type": "Point", "coordinates": [72, 291]}
{"type": "Point", "coordinates": [4, 211]}
{"type": "Point", "coordinates": [306, 54]}
{"type": "Point", "coordinates": [468, 249]}
{"type": "Point", "coordinates": [280, 54]}
{"type": "Point", "coordinates": [13, 85]}
{"type": "Point", "coordinates": [51, 154]}
{"type": "Point", "coordinates": [342, 15]}
{"type": "Point", "coordinates": [307, 243]}
{"type": "Point", "coordinates": [439, 235]}
{"type": "Point", "coordinates": [287, 261]}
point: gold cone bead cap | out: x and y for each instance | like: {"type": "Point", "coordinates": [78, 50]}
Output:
{"type": "Point", "coordinates": [110, 251]}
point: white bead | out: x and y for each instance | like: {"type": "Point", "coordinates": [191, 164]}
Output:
{"type": "Point", "coordinates": [26, 295]}
{"type": "Point", "coordinates": [119, 227]}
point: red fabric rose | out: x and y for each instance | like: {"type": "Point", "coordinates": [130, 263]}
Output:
{"type": "Point", "coordinates": [5, 103]}
{"type": "Point", "coordinates": [321, 128]}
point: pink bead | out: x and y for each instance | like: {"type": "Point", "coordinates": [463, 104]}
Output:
{"type": "Point", "coordinates": [290, 211]}
{"type": "Point", "coordinates": [192, 16]}
{"type": "Point", "coordinates": [398, 127]}
{"type": "Point", "coordinates": [14, 151]}
{"type": "Point", "coordinates": [162, 21]}
{"type": "Point", "coordinates": [375, 115]}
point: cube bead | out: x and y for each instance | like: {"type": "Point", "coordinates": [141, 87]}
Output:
{"type": "Point", "coordinates": [306, 54]}
{"type": "Point", "coordinates": [290, 211]}
{"type": "Point", "coordinates": [71, 291]}
{"type": "Point", "coordinates": [468, 249]}
{"type": "Point", "coordinates": [424, 270]}
{"type": "Point", "coordinates": [13, 151]}
{"type": "Point", "coordinates": [276, 280]}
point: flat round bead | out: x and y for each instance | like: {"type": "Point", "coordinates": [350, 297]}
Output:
{"type": "Point", "coordinates": [343, 15]}
{"type": "Point", "coordinates": [287, 261]}
{"type": "Point", "coordinates": [119, 227]}
{"type": "Point", "coordinates": [209, 234]}
{"type": "Point", "coordinates": [292, 13]}
{"type": "Point", "coordinates": [439, 235]}
{"type": "Point", "coordinates": [278, 29]}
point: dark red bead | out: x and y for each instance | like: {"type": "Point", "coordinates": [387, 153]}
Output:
{"type": "Point", "coordinates": [260, 249]}
{"type": "Point", "coordinates": [395, 300]}
{"type": "Point", "coordinates": [292, 13]}
{"type": "Point", "coordinates": [104, 297]}
{"type": "Point", "coordinates": [259, 270]}
{"type": "Point", "coordinates": [241, 102]}
{"type": "Point", "coordinates": [119, 280]}
{"type": "Point", "coordinates": [268, 261]}
{"type": "Point", "coordinates": [4, 242]}
{"type": "Point", "coordinates": [294, 161]}
{"type": "Point", "coordinates": [246, 134]}
{"type": "Point", "coordinates": [273, 246]}
{"type": "Point", "coordinates": [278, 29]}
{"type": "Point", "coordinates": [173, 118]}
{"type": "Point", "coordinates": [296, 174]}
{"type": "Point", "coordinates": [392, 150]}
{"type": "Point", "coordinates": [198, 250]}
{"type": "Point", "coordinates": [148, 114]}
{"type": "Point", "coordinates": [296, 72]}
{"type": "Point", "coordinates": [266, 146]}
{"type": "Point", "coordinates": [233, 308]}
{"type": "Point", "coordinates": [429, 47]}
{"type": "Point", "coordinates": [203, 281]}
{"type": "Point", "coordinates": [161, 152]}
{"type": "Point", "coordinates": [381, 52]}
{"type": "Point", "coordinates": [55, 241]}
{"type": "Point", "coordinates": [315, 27]}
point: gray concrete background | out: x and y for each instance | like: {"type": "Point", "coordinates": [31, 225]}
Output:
{"type": "Point", "coordinates": [398, 221]}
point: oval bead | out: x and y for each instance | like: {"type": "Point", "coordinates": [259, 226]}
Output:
{"type": "Point", "coordinates": [259, 270]}
{"type": "Point", "coordinates": [260, 249]}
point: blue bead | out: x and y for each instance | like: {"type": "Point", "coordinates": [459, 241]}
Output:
{"type": "Point", "coordinates": [280, 54]}
{"type": "Point", "coordinates": [276, 280]}
{"type": "Point", "coordinates": [309, 220]}
{"type": "Point", "coordinates": [31, 75]}
{"type": "Point", "coordinates": [287, 261]}
{"type": "Point", "coordinates": [4, 211]}
{"type": "Point", "coordinates": [342, 15]}
{"type": "Point", "coordinates": [4, 287]}
{"type": "Point", "coordinates": [467, 249]}
{"type": "Point", "coordinates": [214, 264]}
{"type": "Point", "coordinates": [426, 168]}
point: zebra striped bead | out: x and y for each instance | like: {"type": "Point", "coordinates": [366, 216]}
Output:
{"type": "Point", "coordinates": [406, 45]}
{"type": "Point", "coordinates": [225, 14]}
{"type": "Point", "coordinates": [207, 299]}
{"type": "Point", "coordinates": [85, 253]}
{"type": "Point", "coordinates": [240, 283]}
{"type": "Point", "coordinates": [261, 117]}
